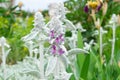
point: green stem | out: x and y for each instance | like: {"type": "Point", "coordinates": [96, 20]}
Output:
{"type": "Point", "coordinates": [100, 32]}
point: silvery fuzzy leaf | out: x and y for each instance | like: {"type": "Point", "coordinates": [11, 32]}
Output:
{"type": "Point", "coordinates": [88, 45]}
{"type": "Point", "coordinates": [9, 75]}
{"type": "Point", "coordinates": [69, 25]}
{"type": "Point", "coordinates": [42, 37]}
{"type": "Point", "coordinates": [36, 52]}
{"type": "Point", "coordinates": [0, 53]}
{"type": "Point", "coordinates": [75, 69]}
{"type": "Point", "coordinates": [96, 32]}
{"type": "Point", "coordinates": [19, 76]}
{"type": "Point", "coordinates": [55, 24]}
{"type": "Point", "coordinates": [57, 9]}
{"type": "Point", "coordinates": [114, 19]}
{"type": "Point", "coordinates": [2, 41]}
{"type": "Point", "coordinates": [51, 65]}
{"type": "Point", "coordinates": [91, 42]}
{"type": "Point", "coordinates": [76, 51]}
{"type": "Point", "coordinates": [59, 69]}
{"type": "Point", "coordinates": [64, 60]}
{"type": "Point", "coordinates": [35, 73]}
{"type": "Point", "coordinates": [79, 26]}
{"type": "Point", "coordinates": [103, 31]}
{"type": "Point", "coordinates": [64, 76]}
{"type": "Point", "coordinates": [7, 52]}
{"type": "Point", "coordinates": [8, 46]}
{"type": "Point", "coordinates": [30, 36]}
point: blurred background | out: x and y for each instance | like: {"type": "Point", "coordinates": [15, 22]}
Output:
{"type": "Point", "coordinates": [34, 5]}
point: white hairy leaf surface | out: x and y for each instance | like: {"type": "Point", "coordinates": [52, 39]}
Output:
{"type": "Point", "coordinates": [76, 51]}
{"type": "Point", "coordinates": [51, 65]}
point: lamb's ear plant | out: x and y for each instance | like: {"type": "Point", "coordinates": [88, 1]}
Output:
{"type": "Point", "coordinates": [58, 26]}
{"type": "Point", "coordinates": [38, 36]}
{"type": "Point", "coordinates": [113, 23]}
{"type": "Point", "coordinates": [100, 31]}
{"type": "Point", "coordinates": [5, 51]}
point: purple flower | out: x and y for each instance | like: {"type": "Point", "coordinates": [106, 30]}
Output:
{"type": "Point", "coordinates": [86, 9]}
{"type": "Point", "coordinates": [59, 39]}
{"type": "Point", "coordinates": [99, 7]}
{"type": "Point", "coordinates": [56, 41]}
{"type": "Point", "coordinates": [52, 34]}
{"type": "Point", "coordinates": [60, 51]}
{"type": "Point", "coordinates": [54, 49]}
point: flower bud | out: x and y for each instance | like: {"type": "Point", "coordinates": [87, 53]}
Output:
{"type": "Point", "coordinates": [20, 4]}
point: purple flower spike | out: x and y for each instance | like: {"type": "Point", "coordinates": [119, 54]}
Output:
{"type": "Point", "coordinates": [61, 37]}
{"type": "Point", "coordinates": [52, 34]}
{"type": "Point", "coordinates": [53, 49]}
{"type": "Point", "coordinates": [86, 9]}
{"type": "Point", "coordinates": [57, 40]}
{"type": "Point", "coordinates": [60, 51]}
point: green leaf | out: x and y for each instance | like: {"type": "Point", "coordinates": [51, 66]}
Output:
{"type": "Point", "coordinates": [80, 57]}
{"type": "Point", "coordinates": [69, 71]}
{"type": "Point", "coordinates": [85, 67]}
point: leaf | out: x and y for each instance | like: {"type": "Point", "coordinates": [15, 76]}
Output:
{"type": "Point", "coordinates": [30, 36]}
{"type": "Point", "coordinates": [85, 67]}
{"type": "Point", "coordinates": [51, 65]}
{"type": "Point", "coordinates": [13, 8]}
{"type": "Point", "coordinates": [80, 57]}
{"type": "Point", "coordinates": [67, 75]}
{"type": "Point", "coordinates": [75, 70]}
{"type": "Point", "coordinates": [118, 78]}
{"type": "Point", "coordinates": [65, 60]}
{"type": "Point", "coordinates": [69, 25]}
{"type": "Point", "coordinates": [7, 52]}
{"type": "Point", "coordinates": [76, 51]}
{"type": "Point", "coordinates": [69, 70]}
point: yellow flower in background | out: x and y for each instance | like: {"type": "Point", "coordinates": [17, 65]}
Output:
{"type": "Point", "coordinates": [93, 4]}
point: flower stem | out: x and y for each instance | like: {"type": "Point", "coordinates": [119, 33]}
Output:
{"type": "Point", "coordinates": [41, 48]}
{"type": "Point", "coordinates": [100, 41]}
{"type": "Point", "coordinates": [113, 44]}
{"type": "Point", "coordinates": [31, 50]}
{"type": "Point", "coordinates": [4, 62]}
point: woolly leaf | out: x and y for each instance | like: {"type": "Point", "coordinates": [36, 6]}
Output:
{"type": "Point", "coordinates": [51, 65]}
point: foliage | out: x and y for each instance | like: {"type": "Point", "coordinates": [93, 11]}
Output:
{"type": "Point", "coordinates": [14, 24]}
{"type": "Point", "coordinates": [77, 14]}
